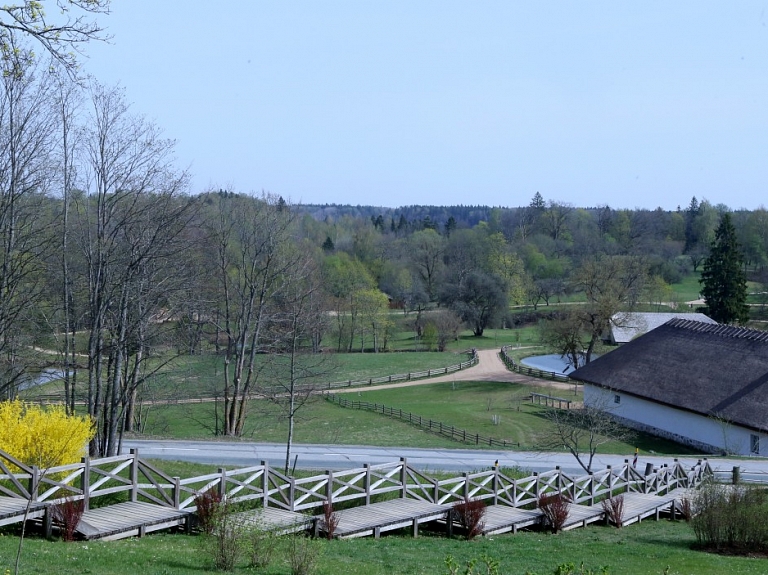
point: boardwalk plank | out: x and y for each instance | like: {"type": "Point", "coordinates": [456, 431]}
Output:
{"type": "Point", "coordinates": [385, 516]}
{"type": "Point", "coordinates": [12, 510]}
{"type": "Point", "coordinates": [502, 519]}
{"type": "Point", "coordinates": [280, 521]}
{"type": "Point", "coordinates": [128, 519]}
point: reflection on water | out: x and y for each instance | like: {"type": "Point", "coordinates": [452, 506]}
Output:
{"type": "Point", "coordinates": [45, 376]}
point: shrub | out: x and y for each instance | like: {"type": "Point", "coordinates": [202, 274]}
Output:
{"type": "Point", "coordinates": [43, 437]}
{"type": "Point", "coordinates": [67, 514]}
{"type": "Point", "coordinates": [470, 513]}
{"type": "Point", "coordinates": [490, 564]}
{"type": "Point", "coordinates": [261, 546]}
{"type": "Point", "coordinates": [303, 554]}
{"type": "Point", "coordinates": [555, 507]}
{"type": "Point", "coordinates": [614, 509]}
{"type": "Point", "coordinates": [730, 518]}
{"type": "Point", "coordinates": [224, 543]}
{"type": "Point", "coordinates": [207, 504]}
{"type": "Point", "coordinates": [330, 520]}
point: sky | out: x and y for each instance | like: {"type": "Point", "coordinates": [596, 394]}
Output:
{"type": "Point", "coordinates": [401, 102]}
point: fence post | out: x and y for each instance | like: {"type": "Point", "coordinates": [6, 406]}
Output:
{"type": "Point", "coordinates": [85, 482]}
{"type": "Point", "coordinates": [736, 475]}
{"type": "Point", "coordinates": [135, 474]}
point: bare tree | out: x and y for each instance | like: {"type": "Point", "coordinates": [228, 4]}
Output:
{"type": "Point", "coordinates": [27, 125]}
{"type": "Point", "coordinates": [581, 432]}
{"type": "Point", "coordinates": [294, 368]}
{"type": "Point", "coordinates": [128, 223]}
{"type": "Point", "coordinates": [251, 239]}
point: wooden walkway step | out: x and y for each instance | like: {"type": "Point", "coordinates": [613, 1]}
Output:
{"type": "Point", "coordinates": [280, 521]}
{"type": "Point", "coordinates": [638, 506]}
{"type": "Point", "coordinates": [12, 510]}
{"type": "Point", "coordinates": [377, 518]}
{"type": "Point", "coordinates": [582, 515]}
{"type": "Point", "coordinates": [128, 519]}
{"type": "Point", "coordinates": [502, 519]}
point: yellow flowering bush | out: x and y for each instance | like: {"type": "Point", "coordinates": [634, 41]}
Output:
{"type": "Point", "coordinates": [43, 437]}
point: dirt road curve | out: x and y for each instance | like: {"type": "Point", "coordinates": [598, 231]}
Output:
{"type": "Point", "coordinates": [489, 368]}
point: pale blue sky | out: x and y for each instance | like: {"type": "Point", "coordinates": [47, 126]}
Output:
{"type": "Point", "coordinates": [630, 104]}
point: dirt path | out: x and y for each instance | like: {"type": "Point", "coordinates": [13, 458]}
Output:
{"type": "Point", "coordinates": [488, 368]}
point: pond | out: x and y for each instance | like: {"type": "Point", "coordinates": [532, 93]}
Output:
{"type": "Point", "coordinates": [553, 362]}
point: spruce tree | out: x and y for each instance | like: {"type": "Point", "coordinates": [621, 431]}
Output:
{"type": "Point", "coordinates": [723, 281]}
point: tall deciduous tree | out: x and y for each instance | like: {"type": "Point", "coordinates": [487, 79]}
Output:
{"type": "Point", "coordinates": [723, 282]}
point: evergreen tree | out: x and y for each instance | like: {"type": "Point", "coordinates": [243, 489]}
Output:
{"type": "Point", "coordinates": [723, 281]}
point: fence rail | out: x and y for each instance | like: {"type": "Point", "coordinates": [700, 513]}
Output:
{"type": "Point", "coordinates": [437, 427]}
{"type": "Point", "coordinates": [371, 381]}
{"type": "Point", "coordinates": [533, 372]}
{"type": "Point", "coordinates": [267, 487]}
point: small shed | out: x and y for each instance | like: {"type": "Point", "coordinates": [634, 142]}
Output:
{"type": "Point", "coordinates": [702, 384]}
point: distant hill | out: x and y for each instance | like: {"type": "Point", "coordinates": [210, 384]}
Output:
{"type": "Point", "coordinates": [465, 216]}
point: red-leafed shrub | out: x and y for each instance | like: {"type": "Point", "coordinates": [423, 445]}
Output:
{"type": "Point", "coordinates": [330, 519]}
{"type": "Point", "coordinates": [470, 513]}
{"type": "Point", "coordinates": [555, 507]}
{"type": "Point", "coordinates": [67, 514]}
{"type": "Point", "coordinates": [208, 506]}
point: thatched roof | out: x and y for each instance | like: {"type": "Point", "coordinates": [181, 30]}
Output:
{"type": "Point", "coordinates": [627, 326]}
{"type": "Point", "coordinates": [709, 369]}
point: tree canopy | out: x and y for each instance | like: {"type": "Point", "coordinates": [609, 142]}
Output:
{"type": "Point", "coordinates": [723, 281]}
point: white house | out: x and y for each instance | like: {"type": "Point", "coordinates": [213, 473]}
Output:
{"type": "Point", "coordinates": [705, 385]}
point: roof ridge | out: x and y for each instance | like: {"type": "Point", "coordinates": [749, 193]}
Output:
{"type": "Point", "coordinates": [721, 330]}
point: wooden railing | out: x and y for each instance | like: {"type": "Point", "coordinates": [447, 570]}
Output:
{"type": "Point", "coordinates": [533, 372]}
{"type": "Point", "coordinates": [437, 427]}
{"type": "Point", "coordinates": [267, 487]}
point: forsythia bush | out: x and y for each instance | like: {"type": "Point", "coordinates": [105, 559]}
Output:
{"type": "Point", "coordinates": [43, 437]}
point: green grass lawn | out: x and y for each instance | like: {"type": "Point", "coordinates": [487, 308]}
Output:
{"type": "Point", "coordinates": [648, 548]}
{"type": "Point", "coordinates": [466, 405]}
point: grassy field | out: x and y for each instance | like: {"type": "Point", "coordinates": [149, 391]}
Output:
{"type": "Point", "coordinates": [467, 405]}
{"type": "Point", "coordinates": [648, 548]}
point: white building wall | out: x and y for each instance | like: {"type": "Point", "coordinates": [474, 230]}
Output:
{"type": "Point", "coordinates": [682, 426]}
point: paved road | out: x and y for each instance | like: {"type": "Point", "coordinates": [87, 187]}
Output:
{"type": "Point", "coordinates": [338, 457]}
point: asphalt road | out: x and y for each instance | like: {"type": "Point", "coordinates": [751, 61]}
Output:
{"type": "Point", "coordinates": [338, 457]}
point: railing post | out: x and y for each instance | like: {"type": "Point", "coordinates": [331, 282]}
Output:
{"type": "Point", "coordinates": [34, 483]}
{"type": "Point", "coordinates": [265, 485]}
{"type": "Point", "coordinates": [367, 483]}
{"type": "Point", "coordinates": [135, 474]}
{"type": "Point", "coordinates": [292, 493]}
{"type": "Point", "coordinates": [466, 486]}
{"type": "Point", "coordinates": [329, 487]}
{"type": "Point", "coordinates": [176, 492]}
{"type": "Point", "coordinates": [495, 484]}
{"type": "Point", "coordinates": [85, 482]}
{"type": "Point", "coordinates": [736, 475]}
{"type": "Point", "coordinates": [222, 487]}
{"type": "Point", "coordinates": [404, 477]}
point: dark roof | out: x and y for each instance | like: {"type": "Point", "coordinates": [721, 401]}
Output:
{"type": "Point", "coordinates": [705, 368]}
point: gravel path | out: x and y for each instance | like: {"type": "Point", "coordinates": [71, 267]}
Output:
{"type": "Point", "coordinates": [488, 368]}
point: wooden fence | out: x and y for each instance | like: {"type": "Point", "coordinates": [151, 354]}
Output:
{"type": "Point", "coordinates": [471, 360]}
{"type": "Point", "coordinates": [430, 425]}
{"type": "Point", "coordinates": [525, 370]}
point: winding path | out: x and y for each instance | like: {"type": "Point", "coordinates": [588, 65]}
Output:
{"type": "Point", "coordinates": [488, 368]}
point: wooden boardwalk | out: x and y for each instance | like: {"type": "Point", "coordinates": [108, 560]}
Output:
{"type": "Point", "coordinates": [638, 506]}
{"type": "Point", "coordinates": [12, 510]}
{"type": "Point", "coordinates": [279, 521]}
{"type": "Point", "coordinates": [377, 518]}
{"type": "Point", "coordinates": [582, 515]}
{"type": "Point", "coordinates": [503, 519]}
{"type": "Point", "coordinates": [128, 520]}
